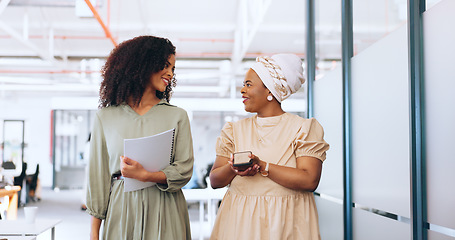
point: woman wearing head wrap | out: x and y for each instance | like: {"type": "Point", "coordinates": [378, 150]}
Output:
{"type": "Point", "coordinates": [272, 198]}
{"type": "Point", "coordinates": [138, 78]}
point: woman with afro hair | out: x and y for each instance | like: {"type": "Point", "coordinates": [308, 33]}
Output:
{"type": "Point", "coordinates": [134, 102]}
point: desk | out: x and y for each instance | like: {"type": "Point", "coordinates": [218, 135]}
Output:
{"type": "Point", "coordinates": [21, 228]}
{"type": "Point", "coordinates": [11, 193]}
{"type": "Point", "coordinates": [205, 195]}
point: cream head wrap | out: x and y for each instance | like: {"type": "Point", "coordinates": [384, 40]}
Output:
{"type": "Point", "coordinates": [282, 74]}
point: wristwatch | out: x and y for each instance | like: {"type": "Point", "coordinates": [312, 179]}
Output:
{"type": "Point", "coordinates": [265, 173]}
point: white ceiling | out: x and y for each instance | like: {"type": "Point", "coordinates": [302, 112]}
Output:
{"type": "Point", "coordinates": [47, 46]}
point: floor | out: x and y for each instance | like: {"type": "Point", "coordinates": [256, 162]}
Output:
{"type": "Point", "coordinates": [66, 205]}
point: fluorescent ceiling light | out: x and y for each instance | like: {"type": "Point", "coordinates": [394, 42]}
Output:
{"type": "Point", "coordinates": [25, 80]}
{"type": "Point", "coordinates": [25, 62]}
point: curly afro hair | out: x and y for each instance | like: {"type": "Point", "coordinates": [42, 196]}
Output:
{"type": "Point", "coordinates": [129, 67]}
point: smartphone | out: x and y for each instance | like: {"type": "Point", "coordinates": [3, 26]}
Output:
{"type": "Point", "coordinates": [242, 160]}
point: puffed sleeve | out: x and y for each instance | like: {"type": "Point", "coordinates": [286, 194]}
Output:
{"type": "Point", "coordinates": [99, 179]}
{"type": "Point", "coordinates": [225, 142]}
{"type": "Point", "coordinates": [179, 172]}
{"type": "Point", "coordinates": [310, 140]}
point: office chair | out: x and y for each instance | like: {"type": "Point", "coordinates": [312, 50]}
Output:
{"type": "Point", "coordinates": [32, 183]}
{"type": "Point", "coordinates": [19, 181]}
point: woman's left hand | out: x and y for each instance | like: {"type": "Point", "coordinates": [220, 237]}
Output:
{"type": "Point", "coordinates": [250, 171]}
{"type": "Point", "coordinates": [131, 168]}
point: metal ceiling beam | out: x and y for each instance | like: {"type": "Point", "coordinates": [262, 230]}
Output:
{"type": "Point", "coordinates": [3, 5]}
{"type": "Point", "coordinates": [25, 42]}
{"type": "Point", "coordinates": [245, 31]}
{"type": "Point", "coordinates": [97, 16]}
{"type": "Point", "coordinates": [24, 38]}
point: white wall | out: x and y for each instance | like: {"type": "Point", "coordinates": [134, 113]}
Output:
{"type": "Point", "coordinates": [36, 111]}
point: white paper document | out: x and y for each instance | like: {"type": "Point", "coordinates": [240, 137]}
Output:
{"type": "Point", "coordinates": [153, 153]}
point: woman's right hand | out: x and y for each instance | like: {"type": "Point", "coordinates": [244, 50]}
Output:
{"type": "Point", "coordinates": [95, 228]}
{"type": "Point", "coordinates": [131, 169]}
{"type": "Point", "coordinates": [94, 236]}
{"type": "Point", "coordinates": [250, 171]}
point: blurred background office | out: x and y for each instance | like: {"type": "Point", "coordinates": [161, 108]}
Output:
{"type": "Point", "coordinates": [387, 116]}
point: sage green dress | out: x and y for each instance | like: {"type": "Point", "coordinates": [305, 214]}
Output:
{"type": "Point", "coordinates": [157, 212]}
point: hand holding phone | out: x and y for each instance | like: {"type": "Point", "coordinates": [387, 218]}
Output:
{"type": "Point", "coordinates": [242, 160]}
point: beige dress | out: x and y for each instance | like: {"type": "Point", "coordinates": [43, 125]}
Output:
{"type": "Point", "coordinates": [255, 207]}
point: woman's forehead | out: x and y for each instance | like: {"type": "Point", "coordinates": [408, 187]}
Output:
{"type": "Point", "coordinates": [252, 76]}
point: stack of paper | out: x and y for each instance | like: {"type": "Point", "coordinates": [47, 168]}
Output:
{"type": "Point", "coordinates": [154, 153]}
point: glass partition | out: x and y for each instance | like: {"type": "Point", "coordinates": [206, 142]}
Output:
{"type": "Point", "coordinates": [380, 125]}
{"type": "Point", "coordinates": [328, 105]}
{"type": "Point", "coordinates": [440, 115]}
{"type": "Point", "coordinates": [375, 19]}
{"type": "Point", "coordinates": [327, 97]}
{"type": "Point", "coordinates": [438, 236]}
{"type": "Point", "coordinates": [72, 129]}
{"type": "Point", "coordinates": [431, 3]}
{"type": "Point", "coordinates": [205, 128]}
{"type": "Point", "coordinates": [330, 218]}
{"type": "Point", "coordinates": [328, 110]}
{"type": "Point", "coordinates": [367, 225]}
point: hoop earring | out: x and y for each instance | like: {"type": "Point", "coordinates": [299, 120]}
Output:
{"type": "Point", "coordinates": [269, 98]}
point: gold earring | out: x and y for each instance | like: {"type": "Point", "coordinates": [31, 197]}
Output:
{"type": "Point", "coordinates": [269, 98]}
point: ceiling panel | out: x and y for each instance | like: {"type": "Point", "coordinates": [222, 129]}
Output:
{"type": "Point", "coordinates": [53, 34]}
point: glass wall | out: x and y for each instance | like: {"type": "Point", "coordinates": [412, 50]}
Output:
{"type": "Point", "coordinates": [380, 131]}
{"type": "Point", "coordinates": [375, 227]}
{"type": "Point", "coordinates": [431, 3]}
{"type": "Point", "coordinates": [380, 120]}
{"type": "Point", "coordinates": [439, 118]}
{"type": "Point", "coordinates": [206, 127]}
{"type": "Point", "coordinates": [328, 110]}
{"type": "Point", "coordinates": [70, 140]}
{"type": "Point", "coordinates": [374, 19]}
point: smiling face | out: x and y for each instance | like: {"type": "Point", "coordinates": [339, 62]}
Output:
{"type": "Point", "coordinates": [254, 93]}
{"type": "Point", "coordinates": [159, 80]}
